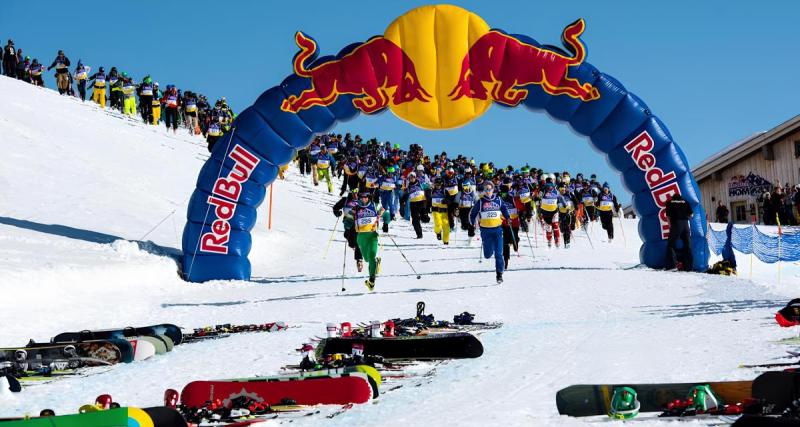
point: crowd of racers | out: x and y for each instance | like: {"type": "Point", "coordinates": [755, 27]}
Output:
{"type": "Point", "coordinates": [381, 182]}
{"type": "Point", "coordinates": [120, 91]}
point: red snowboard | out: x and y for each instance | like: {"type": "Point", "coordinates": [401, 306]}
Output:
{"type": "Point", "coordinates": [329, 390]}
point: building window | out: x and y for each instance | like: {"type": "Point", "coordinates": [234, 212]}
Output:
{"type": "Point", "coordinates": [796, 149]}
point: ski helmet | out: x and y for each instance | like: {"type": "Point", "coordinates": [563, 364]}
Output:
{"type": "Point", "coordinates": [624, 404]}
{"type": "Point", "coordinates": [124, 74]}
{"type": "Point", "coordinates": [147, 79]}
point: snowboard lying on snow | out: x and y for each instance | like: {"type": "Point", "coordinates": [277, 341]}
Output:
{"type": "Point", "coordinates": [156, 417]}
{"type": "Point", "coordinates": [334, 389]}
{"type": "Point", "coordinates": [459, 345]}
{"type": "Point", "coordinates": [170, 330]}
{"type": "Point", "coordinates": [774, 390]}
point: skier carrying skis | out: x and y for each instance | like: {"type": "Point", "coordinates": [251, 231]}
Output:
{"type": "Point", "coordinates": [345, 206]}
{"type": "Point", "coordinates": [607, 205]}
{"type": "Point", "coordinates": [366, 215]}
{"type": "Point", "coordinates": [491, 211]}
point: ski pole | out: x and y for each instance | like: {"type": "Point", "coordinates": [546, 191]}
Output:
{"type": "Point", "coordinates": [344, 263]}
{"type": "Point", "coordinates": [588, 237]}
{"type": "Point", "coordinates": [622, 228]}
{"type": "Point", "coordinates": [529, 243]}
{"type": "Point", "coordinates": [514, 240]}
{"type": "Point", "coordinates": [404, 257]}
{"type": "Point", "coordinates": [330, 239]}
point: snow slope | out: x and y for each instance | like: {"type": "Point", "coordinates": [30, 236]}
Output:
{"type": "Point", "coordinates": [92, 207]}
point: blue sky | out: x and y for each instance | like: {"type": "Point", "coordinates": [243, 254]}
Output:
{"type": "Point", "coordinates": [714, 71]}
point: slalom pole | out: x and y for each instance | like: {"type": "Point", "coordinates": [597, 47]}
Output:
{"type": "Point", "coordinates": [330, 239]}
{"type": "Point", "coordinates": [269, 224]}
{"type": "Point", "coordinates": [404, 257]}
{"type": "Point", "coordinates": [344, 263]}
{"type": "Point", "coordinates": [621, 227]}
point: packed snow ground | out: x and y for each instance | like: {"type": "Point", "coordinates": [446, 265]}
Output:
{"type": "Point", "coordinates": [92, 207]}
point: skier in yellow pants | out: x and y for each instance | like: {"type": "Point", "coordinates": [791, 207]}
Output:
{"type": "Point", "coordinates": [156, 103]}
{"type": "Point", "coordinates": [325, 162]}
{"type": "Point", "coordinates": [439, 201]}
{"type": "Point", "coordinates": [129, 102]}
{"type": "Point", "coordinates": [99, 87]}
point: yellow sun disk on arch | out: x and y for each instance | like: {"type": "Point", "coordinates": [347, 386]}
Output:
{"type": "Point", "coordinates": [437, 39]}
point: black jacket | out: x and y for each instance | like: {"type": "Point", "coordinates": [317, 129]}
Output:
{"type": "Point", "coordinates": [60, 70]}
{"type": "Point", "coordinates": [678, 209]}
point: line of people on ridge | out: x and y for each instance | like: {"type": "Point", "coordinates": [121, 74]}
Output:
{"type": "Point", "coordinates": [172, 105]}
{"type": "Point", "coordinates": [382, 181]}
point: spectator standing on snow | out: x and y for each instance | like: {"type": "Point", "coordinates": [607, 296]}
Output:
{"type": "Point", "coordinates": [679, 213]}
{"type": "Point", "coordinates": [61, 64]}
{"type": "Point", "coordinates": [722, 213]}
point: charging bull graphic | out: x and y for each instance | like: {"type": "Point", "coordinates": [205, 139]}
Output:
{"type": "Point", "coordinates": [370, 70]}
{"type": "Point", "coordinates": [506, 63]}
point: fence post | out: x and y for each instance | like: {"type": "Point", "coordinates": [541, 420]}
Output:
{"type": "Point", "coordinates": [752, 245]}
{"type": "Point", "coordinates": [780, 233]}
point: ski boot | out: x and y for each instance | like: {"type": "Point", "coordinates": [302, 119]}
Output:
{"type": "Point", "coordinates": [499, 278]}
{"type": "Point", "coordinates": [370, 283]}
{"type": "Point", "coordinates": [438, 236]}
{"type": "Point", "coordinates": [377, 266]}
{"type": "Point", "coordinates": [385, 227]}
{"type": "Point", "coordinates": [360, 265]}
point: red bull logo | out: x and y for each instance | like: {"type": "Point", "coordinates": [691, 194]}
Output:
{"type": "Point", "coordinates": [662, 184]}
{"type": "Point", "coordinates": [377, 72]}
{"type": "Point", "coordinates": [224, 198]}
{"type": "Point", "coordinates": [505, 63]}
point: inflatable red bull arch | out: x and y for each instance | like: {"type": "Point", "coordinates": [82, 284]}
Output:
{"type": "Point", "coordinates": [437, 67]}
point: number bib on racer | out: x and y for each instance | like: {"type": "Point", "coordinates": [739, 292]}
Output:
{"type": "Point", "coordinates": [490, 213]}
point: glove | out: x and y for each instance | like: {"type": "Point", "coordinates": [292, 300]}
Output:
{"type": "Point", "coordinates": [337, 213]}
